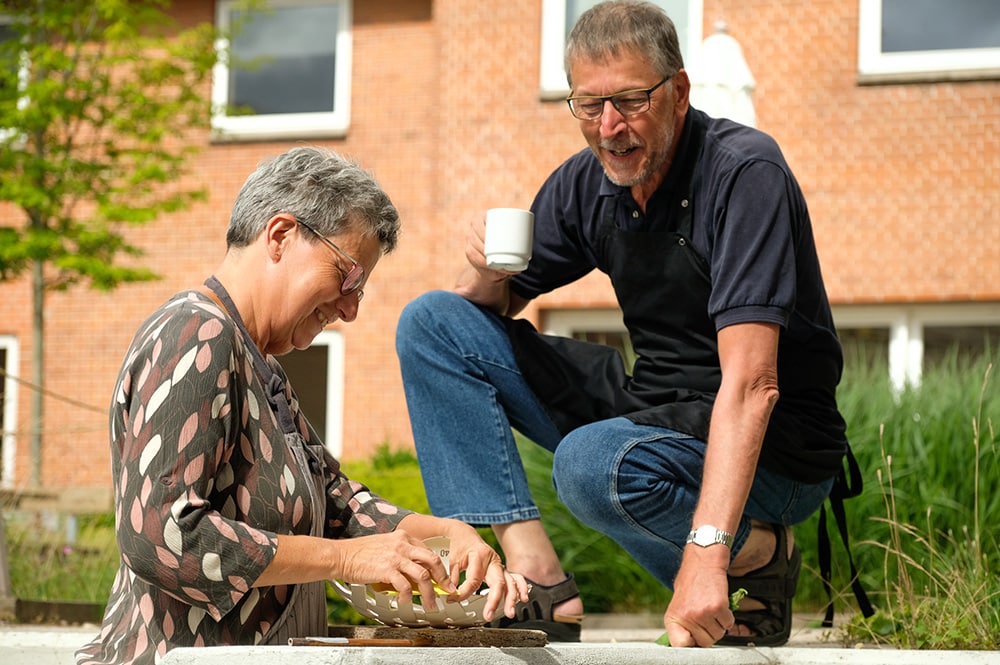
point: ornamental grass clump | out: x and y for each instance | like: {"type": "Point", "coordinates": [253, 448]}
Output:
{"type": "Point", "coordinates": [941, 582]}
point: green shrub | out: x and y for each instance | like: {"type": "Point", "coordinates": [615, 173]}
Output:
{"type": "Point", "coordinates": [45, 565]}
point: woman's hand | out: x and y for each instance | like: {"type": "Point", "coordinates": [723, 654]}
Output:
{"type": "Point", "coordinates": [397, 559]}
{"type": "Point", "coordinates": [471, 555]}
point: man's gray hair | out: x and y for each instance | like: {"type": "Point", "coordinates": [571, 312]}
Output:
{"type": "Point", "coordinates": [328, 192]}
{"type": "Point", "coordinates": [607, 30]}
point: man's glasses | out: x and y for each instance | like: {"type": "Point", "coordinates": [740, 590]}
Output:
{"type": "Point", "coordinates": [353, 277]}
{"type": "Point", "coordinates": [627, 102]}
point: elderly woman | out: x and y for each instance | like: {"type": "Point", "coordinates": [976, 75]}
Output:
{"type": "Point", "coordinates": [230, 512]}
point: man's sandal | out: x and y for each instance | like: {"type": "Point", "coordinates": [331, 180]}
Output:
{"type": "Point", "coordinates": [774, 587]}
{"type": "Point", "coordinates": [537, 614]}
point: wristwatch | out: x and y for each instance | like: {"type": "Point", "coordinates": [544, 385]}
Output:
{"type": "Point", "coordinates": [709, 535]}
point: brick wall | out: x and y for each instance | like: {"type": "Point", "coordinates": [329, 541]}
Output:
{"type": "Point", "coordinates": [902, 182]}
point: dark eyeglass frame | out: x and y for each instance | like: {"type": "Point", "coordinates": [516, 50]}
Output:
{"type": "Point", "coordinates": [353, 277]}
{"type": "Point", "coordinates": [616, 100]}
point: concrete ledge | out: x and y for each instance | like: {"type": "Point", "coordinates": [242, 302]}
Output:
{"type": "Point", "coordinates": [55, 645]}
{"type": "Point", "coordinates": [30, 645]}
{"type": "Point", "coordinates": [625, 653]}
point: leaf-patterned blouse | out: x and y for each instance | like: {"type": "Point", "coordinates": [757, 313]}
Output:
{"type": "Point", "coordinates": [204, 482]}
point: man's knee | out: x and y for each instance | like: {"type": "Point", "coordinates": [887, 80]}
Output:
{"type": "Point", "coordinates": [417, 321]}
{"type": "Point", "coordinates": [583, 478]}
{"type": "Point", "coordinates": [416, 312]}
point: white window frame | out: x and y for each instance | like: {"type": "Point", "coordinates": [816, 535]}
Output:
{"type": "Point", "coordinates": [332, 124]}
{"type": "Point", "coordinates": [938, 64]}
{"type": "Point", "coordinates": [553, 75]}
{"type": "Point", "coordinates": [905, 323]}
{"type": "Point", "coordinates": [9, 431]}
{"type": "Point", "coordinates": [333, 437]}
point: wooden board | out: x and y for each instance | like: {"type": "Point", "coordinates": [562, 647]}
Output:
{"type": "Point", "coordinates": [446, 637]}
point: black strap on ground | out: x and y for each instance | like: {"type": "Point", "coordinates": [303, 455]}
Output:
{"type": "Point", "coordinates": [845, 487]}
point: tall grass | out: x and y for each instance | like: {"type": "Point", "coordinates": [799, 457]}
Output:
{"type": "Point", "coordinates": [940, 587]}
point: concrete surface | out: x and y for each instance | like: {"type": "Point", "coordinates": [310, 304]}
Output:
{"type": "Point", "coordinates": [610, 639]}
{"type": "Point", "coordinates": [623, 653]}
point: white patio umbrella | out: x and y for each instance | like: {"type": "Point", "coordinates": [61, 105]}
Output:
{"type": "Point", "coordinates": [721, 83]}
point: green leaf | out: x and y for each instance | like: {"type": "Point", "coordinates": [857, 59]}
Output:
{"type": "Point", "coordinates": [736, 597]}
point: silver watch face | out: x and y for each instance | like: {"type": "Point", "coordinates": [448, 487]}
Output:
{"type": "Point", "coordinates": [709, 535]}
{"type": "Point", "coordinates": [704, 536]}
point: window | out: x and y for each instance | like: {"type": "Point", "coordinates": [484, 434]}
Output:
{"type": "Point", "coordinates": [928, 39]}
{"type": "Point", "coordinates": [907, 338]}
{"type": "Point", "coordinates": [559, 16]}
{"type": "Point", "coordinates": [317, 375]}
{"type": "Point", "coordinates": [287, 71]}
{"type": "Point", "coordinates": [10, 73]}
{"type": "Point", "coordinates": [917, 336]}
{"type": "Point", "coordinates": [8, 62]}
{"type": "Point", "coordinates": [8, 408]}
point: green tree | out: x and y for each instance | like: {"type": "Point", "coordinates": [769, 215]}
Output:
{"type": "Point", "coordinates": [96, 97]}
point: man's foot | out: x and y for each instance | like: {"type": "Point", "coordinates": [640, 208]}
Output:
{"type": "Point", "coordinates": [554, 603]}
{"type": "Point", "coordinates": [764, 617]}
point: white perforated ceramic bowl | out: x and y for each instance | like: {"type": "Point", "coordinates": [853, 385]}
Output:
{"type": "Point", "coordinates": [388, 608]}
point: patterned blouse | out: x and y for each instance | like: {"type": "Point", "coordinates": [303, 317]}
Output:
{"type": "Point", "coordinates": [204, 481]}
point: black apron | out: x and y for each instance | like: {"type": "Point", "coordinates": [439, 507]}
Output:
{"type": "Point", "coordinates": [676, 374]}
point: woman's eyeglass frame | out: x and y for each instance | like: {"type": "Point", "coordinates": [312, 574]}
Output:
{"type": "Point", "coordinates": [352, 277]}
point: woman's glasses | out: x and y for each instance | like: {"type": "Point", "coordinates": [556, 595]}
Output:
{"type": "Point", "coordinates": [354, 276]}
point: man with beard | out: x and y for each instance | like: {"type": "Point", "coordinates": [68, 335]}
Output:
{"type": "Point", "coordinates": [692, 459]}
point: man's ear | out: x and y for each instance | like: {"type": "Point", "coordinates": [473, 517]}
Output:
{"type": "Point", "coordinates": [682, 85]}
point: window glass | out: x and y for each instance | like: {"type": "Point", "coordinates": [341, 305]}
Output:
{"type": "Point", "coordinates": [3, 389]}
{"type": "Point", "coordinates": [921, 25]}
{"type": "Point", "coordinates": [965, 345]}
{"type": "Point", "coordinates": [866, 347]}
{"type": "Point", "coordinates": [287, 71]}
{"type": "Point", "coordinates": [273, 74]}
{"type": "Point", "coordinates": [8, 62]}
{"type": "Point", "coordinates": [317, 375]}
{"type": "Point", "coordinates": [305, 369]}
{"type": "Point", "coordinates": [559, 16]}
{"type": "Point", "coordinates": [8, 411]}
{"type": "Point", "coordinates": [924, 38]}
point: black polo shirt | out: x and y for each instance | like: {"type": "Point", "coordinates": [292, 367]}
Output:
{"type": "Point", "coordinates": [751, 226]}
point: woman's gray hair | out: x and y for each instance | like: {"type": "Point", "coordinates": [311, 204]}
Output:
{"type": "Point", "coordinates": [610, 28]}
{"type": "Point", "coordinates": [328, 192]}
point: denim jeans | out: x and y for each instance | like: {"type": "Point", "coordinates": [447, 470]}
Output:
{"type": "Point", "coordinates": [637, 484]}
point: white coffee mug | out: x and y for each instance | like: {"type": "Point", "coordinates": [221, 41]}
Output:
{"type": "Point", "coordinates": [509, 234]}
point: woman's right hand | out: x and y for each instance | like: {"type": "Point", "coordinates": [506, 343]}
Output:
{"type": "Point", "coordinates": [396, 559]}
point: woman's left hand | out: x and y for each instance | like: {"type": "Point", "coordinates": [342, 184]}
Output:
{"type": "Point", "coordinates": [480, 563]}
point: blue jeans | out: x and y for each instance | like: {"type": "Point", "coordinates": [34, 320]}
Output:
{"type": "Point", "coordinates": [637, 484]}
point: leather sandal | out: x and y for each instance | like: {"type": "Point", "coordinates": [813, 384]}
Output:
{"type": "Point", "coordinates": [537, 614]}
{"type": "Point", "coordinates": [774, 587]}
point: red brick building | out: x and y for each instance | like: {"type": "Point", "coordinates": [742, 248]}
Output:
{"type": "Point", "coordinates": [455, 105]}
